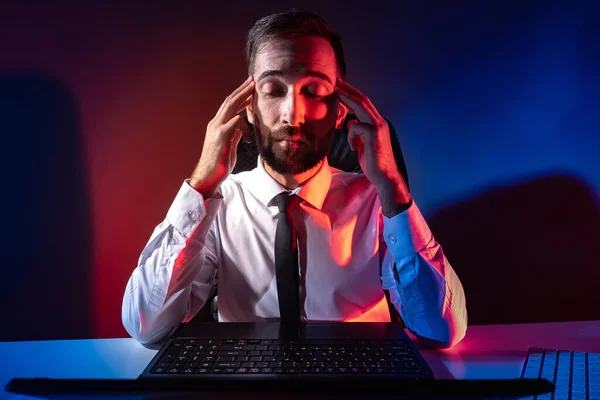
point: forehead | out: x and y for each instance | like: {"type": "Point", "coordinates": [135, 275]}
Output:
{"type": "Point", "coordinates": [293, 56]}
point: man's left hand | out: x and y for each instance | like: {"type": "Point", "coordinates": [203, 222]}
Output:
{"type": "Point", "coordinates": [370, 136]}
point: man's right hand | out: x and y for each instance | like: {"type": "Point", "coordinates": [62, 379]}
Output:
{"type": "Point", "coordinates": [224, 131]}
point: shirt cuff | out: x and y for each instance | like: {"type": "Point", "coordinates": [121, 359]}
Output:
{"type": "Point", "coordinates": [406, 233]}
{"type": "Point", "coordinates": [190, 208]}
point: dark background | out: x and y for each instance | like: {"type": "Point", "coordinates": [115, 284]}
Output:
{"type": "Point", "coordinates": [103, 111]}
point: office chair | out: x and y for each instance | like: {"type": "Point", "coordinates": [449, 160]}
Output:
{"type": "Point", "coordinates": [341, 157]}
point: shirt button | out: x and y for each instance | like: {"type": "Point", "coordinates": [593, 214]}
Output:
{"type": "Point", "coordinates": [392, 239]}
{"type": "Point", "coordinates": [195, 215]}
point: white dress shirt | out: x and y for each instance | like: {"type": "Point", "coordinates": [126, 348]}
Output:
{"type": "Point", "coordinates": [343, 238]}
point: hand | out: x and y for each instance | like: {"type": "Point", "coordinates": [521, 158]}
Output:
{"type": "Point", "coordinates": [370, 136]}
{"type": "Point", "coordinates": [224, 131]}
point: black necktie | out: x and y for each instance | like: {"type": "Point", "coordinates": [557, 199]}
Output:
{"type": "Point", "coordinates": [286, 262]}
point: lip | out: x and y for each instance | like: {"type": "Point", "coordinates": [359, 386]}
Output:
{"type": "Point", "coordinates": [294, 140]}
{"type": "Point", "coordinates": [290, 142]}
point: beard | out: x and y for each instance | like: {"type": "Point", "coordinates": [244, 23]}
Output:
{"type": "Point", "coordinates": [291, 159]}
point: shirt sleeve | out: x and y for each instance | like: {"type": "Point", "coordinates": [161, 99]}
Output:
{"type": "Point", "coordinates": [175, 270]}
{"type": "Point", "coordinates": [422, 284]}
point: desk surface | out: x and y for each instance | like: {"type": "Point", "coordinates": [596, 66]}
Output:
{"type": "Point", "coordinates": [492, 351]}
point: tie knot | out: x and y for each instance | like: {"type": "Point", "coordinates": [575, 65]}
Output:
{"type": "Point", "coordinates": [286, 201]}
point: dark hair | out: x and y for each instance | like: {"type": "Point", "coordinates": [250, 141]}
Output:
{"type": "Point", "coordinates": [293, 24]}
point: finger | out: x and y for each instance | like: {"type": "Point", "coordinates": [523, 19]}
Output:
{"type": "Point", "coordinates": [350, 90]}
{"type": "Point", "coordinates": [352, 141]}
{"type": "Point", "coordinates": [236, 91]}
{"type": "Point", "coordinates": [232, 105]}
{"type": "Point", "coordinates": [247, 135]}
{"type": "Point", "coordinates": [234, 125]}
{"type": "Point", "coordinates": [360, 131]}
{"type": "Point", "coordinates": [356, 144]}
{"type": "Point", "coordinates": [244, 104]}
{"type": "Point", "coordinates": [351, 136]}
{"type": "Point", "coordinates": [244, 85]}
{"type": "Point", "coordinates": [234, 144]}
{"type": "Point", "coordinates": [245, 130]}
{"type": "Point", "coordinates": [358, 106]}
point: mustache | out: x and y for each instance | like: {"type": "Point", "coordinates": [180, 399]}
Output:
{"type": "Point", "coordinates": [288, 132]}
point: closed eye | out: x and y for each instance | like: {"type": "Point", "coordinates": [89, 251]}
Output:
{"type": "Point", "coordinates": [317, 90]}
{"type": "Point", "coordinates": [274, 93]}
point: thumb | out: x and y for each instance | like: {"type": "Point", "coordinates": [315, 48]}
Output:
{"type": "Point", "coordinates": [359, 133]}
{"type": "Point", "coordinates": [237, 136]}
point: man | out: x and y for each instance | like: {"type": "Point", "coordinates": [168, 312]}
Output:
{"type": "Point", "coordinates": [348, 227]}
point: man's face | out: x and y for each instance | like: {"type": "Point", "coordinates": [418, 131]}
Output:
{"type": "Point", "coordinates": [295, 110]}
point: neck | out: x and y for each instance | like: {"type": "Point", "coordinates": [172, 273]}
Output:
{"type": "Point", "coordinates": [290, 181]}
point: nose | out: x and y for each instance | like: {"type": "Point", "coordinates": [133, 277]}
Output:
{"type": "Point", "coordinates": [293, 109]}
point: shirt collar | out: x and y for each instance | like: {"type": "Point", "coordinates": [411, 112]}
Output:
{"type": "Point", "coordinates": [314, 190]}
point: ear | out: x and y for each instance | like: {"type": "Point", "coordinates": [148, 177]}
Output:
{"type": "Point", "coordinates": [341, 115]}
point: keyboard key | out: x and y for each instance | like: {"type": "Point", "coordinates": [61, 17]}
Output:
{"type": "Point", "coordinates": [262, 364]}
{"type": "Point", "coordinates": [225, 359]}
{"type": "Point", "coordinates": [228, 364]}
{"type": "Point", "coordinates": [234, 353]}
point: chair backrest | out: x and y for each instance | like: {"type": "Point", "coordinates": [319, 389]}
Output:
{"type": "Point", "coordinates": [340, 156]}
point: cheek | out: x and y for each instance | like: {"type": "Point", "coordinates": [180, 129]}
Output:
{"type": "Point", "coordinates": [319, 110]}
{"type": "Point", "coordinates": [267, 110]}
{"type": "Point", "coordinates": [325, 110]}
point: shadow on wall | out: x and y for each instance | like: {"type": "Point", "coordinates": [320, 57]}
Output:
{"type": "Point", "coordinates": [526, 252]}
{"type": "Point", "coordinates": [45, 289]}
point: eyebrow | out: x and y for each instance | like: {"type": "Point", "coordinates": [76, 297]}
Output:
{"type": "Point", "coordinates": [316, 74]}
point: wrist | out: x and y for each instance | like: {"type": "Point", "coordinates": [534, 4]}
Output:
{"type": "Point", "coordinates": [206, 187]}
{"type": "Point", "coordinates": [394, 197]}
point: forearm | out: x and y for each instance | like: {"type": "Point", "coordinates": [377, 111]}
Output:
{"type": "Point", "coordinates": [423, 287]}
{"type": "Point", "coordinates": [174, 273]}
{"type": "Point", "coordinates": [159, 294]}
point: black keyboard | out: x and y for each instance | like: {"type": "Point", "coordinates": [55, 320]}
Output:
{"type": "Point", "coordinates": [235, 356]}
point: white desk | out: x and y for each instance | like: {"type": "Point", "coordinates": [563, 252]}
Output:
{"type": "Point", "coordinates": [494, 351]}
